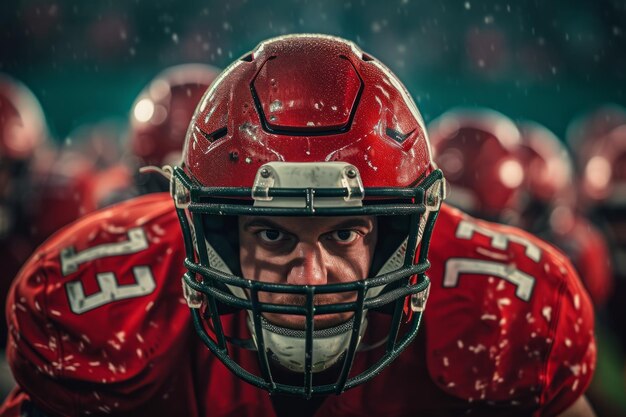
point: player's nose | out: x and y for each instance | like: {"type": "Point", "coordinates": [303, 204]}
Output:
{"type": "Point", "coordinates": [307, 266]}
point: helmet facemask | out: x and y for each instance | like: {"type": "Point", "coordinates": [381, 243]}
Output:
{"type": "Point", "coordinates": [396, 285]}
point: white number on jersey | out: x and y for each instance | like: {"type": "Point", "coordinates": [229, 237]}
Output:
{"type": "Point", "coordinates": [455, 267]}
{"type": "Point", "coordinates": [110, 290]}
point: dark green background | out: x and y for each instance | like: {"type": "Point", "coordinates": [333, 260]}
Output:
{"type": "Point", "coordinates": [544, 60]}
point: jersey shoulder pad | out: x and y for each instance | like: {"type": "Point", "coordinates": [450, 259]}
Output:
{"type": "Point", "coordinates": [508, 320]}
{"type": "Point", "coordinates": [101, 303]}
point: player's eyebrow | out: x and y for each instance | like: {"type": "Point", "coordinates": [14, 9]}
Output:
{"type": "Point", "coordinates": [262, 222]}
{"type": "Point", "coordinates": [349, 223]}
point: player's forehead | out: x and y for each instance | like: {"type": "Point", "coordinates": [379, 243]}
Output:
{"type": "Point", "coordinates": [304, 224]}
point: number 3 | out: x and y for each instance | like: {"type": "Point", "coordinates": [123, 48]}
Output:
{"type": "Point", "coordinates": [110, 290]}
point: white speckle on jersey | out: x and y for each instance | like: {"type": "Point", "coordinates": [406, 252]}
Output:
{"type": "Point", "coordinates": [149, 305]}
{"type": "Point", "coordinates": [55, 313]}
{"type": "Point", "coordinates": [533, 335]}
{"type": "Point", "coordinates": [112, 368]}
{"type": "Point", "coordinates": [94, 363]}
{"type": "Point", "coordinates": [575, 385]}
{"type": "Point", "coordinates": [20, 306]}
{"type": "Point", "coordinates": [488, 317]}
{"type": "Point", "coordinates": [153, 324]}
{"type": "Point", "coordinates": [139, 337]}
{"type": "Point", "coordinates": [158, 230]}
{"type": "Point", "coordinates": [530, 318]}
{"type": "Point", "coordinates": [512, 391]}
{"type": "Point", "coordinates": [85, 338]}
{"type": "Point", "coordinates": [92, 235]}
{"type": "Point", "coordinates": [41, 346]}
{"type": "Point", "coordinates": [121, 336]}
{"type": "Point", "coordinates": [546, 312]}
{"type": "Point", "coordinates": [477, 349]}
{"type": "Point", "coordinates": [504, 302]}
{"type": "Point", "coordinates": [52, 343]}
{"type": "Point", "coordinates": [577, 301]}
{"type": "Point", "coordinates": [548, 340]}
{"type": "Point", "coordinates": [68, 358]}
{"type": "Point", "coordinates": [95, 394]}
{"type": "Point", "coordinates": [575, 369]}
{"type": "Point", "coordinates": [502, 322]}
{"type": "Point", "coordinates": [501, 285]}
{"type": "Point", "coordinates": [451, 385]}
{"type": "Point", "coordinates": [446, 362]}
{"type": "Point", "coordinates": [114, 344]}
{"type": "Point", "coordinates": [104, 409]}
{"type": "Point", "coordinates": [568, 342]}
{"type": "Point", "coordinates": [459, 343]}
{"type": "Point", "coordinates": [139, 353]}
{"type": "Point", "coordinates": [169, 251]}
{"type": "Point", "coordinates": [155, 240]}
{"type": "Point", "coordinates": [503, 343]}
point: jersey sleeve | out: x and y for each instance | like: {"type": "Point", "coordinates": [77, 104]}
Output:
{"type": "Point", "coordinates": [508, 322]}
{"type": "Point", "coordinates": [96, 317]}
{"type": "Point", "coordinates": [571, 362]}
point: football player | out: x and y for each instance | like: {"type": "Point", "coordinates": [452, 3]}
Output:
{"type": "Point", "coordinates": [603, 184]}
{"type": "Point", "coordinates": [159, 119]}
{"type": "Point", "coordinates": [548, 209]}
{"type": "Point", "coordinates": [307, 223]}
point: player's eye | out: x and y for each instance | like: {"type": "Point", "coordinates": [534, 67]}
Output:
{"type": "Point", "coordinates": [271, 235]}
{"type": "Point", "coordinates": [344, 236]}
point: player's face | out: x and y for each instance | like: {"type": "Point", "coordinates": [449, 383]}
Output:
{"type": "Point", "coordinates": [306, 251]}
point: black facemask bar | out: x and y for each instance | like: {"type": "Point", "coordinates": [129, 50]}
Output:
{"type": "Point", "coordinates": [208, 287]}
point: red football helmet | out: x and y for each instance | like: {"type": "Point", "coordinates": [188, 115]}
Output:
{"type": "Point", "coordinates": [22, 124]}
{"type": "Point", "coordinates": [604, 170]}
{"type": "Point", "coordinates": [23, 131]}
{"type": "Point", "coordinates": [162, 112]}
{"type": "Point", "coordinates": [604, 189]}
{"type": "Point", "coordinates": [548, 181]}
{"type": "Point", "coordinates": [549, 209]}
{"type": "Point", "coordinates": [477, 151]}
{"type": "Point", "coordinates": [586, 128]}
{"type": "Point", "coordinates": [306, 125]}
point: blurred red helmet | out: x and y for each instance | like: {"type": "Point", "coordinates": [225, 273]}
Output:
{"type": "Point", "coordinates": [22, 123]}
{"type": "Point", "coordinates": [585, 129]}
{"type": "Point", "coordinates": [477, 151]}
{"type": "Point", "coordinates": [548, 196]}
{"type": "Point", "coordinates": [162, 112]}
{"type": "Point", "coordinates": [604, 170]}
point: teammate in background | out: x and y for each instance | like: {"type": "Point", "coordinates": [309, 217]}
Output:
{"type": "Point", "coordinates": [109, 171]}
{"type": "Point", "coordinates": [548, 209]}
{"type": "Point", "coordinates": [23, 133]}
{"type": "Point", "coordinates": [477, 149]}
{"type": "Point", "coordinates": [159, 119]}
{"type": "Point", "coordinates": [603, 184]}
{"type": "Point", "coordinates": [303, 225]}
{"type": "Point", "coordinates": [583, 131]}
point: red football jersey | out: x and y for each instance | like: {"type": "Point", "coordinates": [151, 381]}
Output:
{"type": "Point", "coordinates": [98, 325]}
{"type": "Point", "coordinates": [585, 245]}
